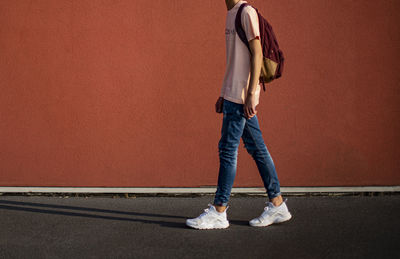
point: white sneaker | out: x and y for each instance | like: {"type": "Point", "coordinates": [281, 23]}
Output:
{"type": "Point", "coordinates": [271, 215]}
{"type": "Point", "coordinates": [209, 219]}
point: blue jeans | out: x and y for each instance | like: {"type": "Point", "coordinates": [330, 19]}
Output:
{"type": "Point", "coordinates": [234, 127]}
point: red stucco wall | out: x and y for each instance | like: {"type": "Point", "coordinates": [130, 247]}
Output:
{"type": "Point", "coordinates": [122, 93]}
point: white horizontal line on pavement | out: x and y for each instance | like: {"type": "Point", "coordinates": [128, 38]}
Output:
{"type": "Point", "coordinates": [4, 189]}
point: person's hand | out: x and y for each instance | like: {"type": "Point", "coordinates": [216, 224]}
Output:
{"type": "Point", "coordinates": [218, 105]}
{"type": "Point", "coordinates": [249, 108]}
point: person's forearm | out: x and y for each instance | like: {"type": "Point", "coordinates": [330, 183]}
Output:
{"type": "Point", "coordinates": [222, 92]}
{"type": "Point", "coordinates": [256, 61]}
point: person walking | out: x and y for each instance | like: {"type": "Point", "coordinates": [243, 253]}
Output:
{"type": "Point", "coordinates": [238, 100]}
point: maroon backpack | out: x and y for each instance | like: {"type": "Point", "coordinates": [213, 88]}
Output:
{"type": "Point", "coordinates": [273, 59]}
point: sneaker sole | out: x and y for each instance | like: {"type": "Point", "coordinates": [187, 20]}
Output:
{"type": "Point", "coordinates": [276, 221]}
{"type": "Point", "coordinates": [207, 227]}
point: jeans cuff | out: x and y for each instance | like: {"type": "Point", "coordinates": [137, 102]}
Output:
{"type": "Point", "coordinates": [219, 203]}
{"type": "Point", "coordinates": [273, 195]}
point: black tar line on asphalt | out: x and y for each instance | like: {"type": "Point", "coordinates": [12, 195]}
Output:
{"type": "Point", "coordinates": [335, 226]}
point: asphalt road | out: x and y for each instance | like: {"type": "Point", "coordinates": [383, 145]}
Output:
{"type": "Point", "coordinates": [154, 227]}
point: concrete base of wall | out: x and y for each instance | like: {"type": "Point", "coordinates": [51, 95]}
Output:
{"type": "Point", "coordinates": [200, 190]}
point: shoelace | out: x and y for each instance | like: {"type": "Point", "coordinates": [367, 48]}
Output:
{"type": "Point", "coordinates": [270, 206]}
{"type": "Point", "coordinates": [266, 211]}
{"type": "Point", "coordinates": [206, 211]}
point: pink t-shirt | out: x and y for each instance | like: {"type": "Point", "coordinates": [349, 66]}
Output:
{"type": "Point", "coordinates": [237, 73]}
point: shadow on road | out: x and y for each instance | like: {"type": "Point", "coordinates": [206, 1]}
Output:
{"type": "Point", "coordinates": [41, 208]}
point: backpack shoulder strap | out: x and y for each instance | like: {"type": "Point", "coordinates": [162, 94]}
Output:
{"type": "Point", "coordinates": [238, 26]}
